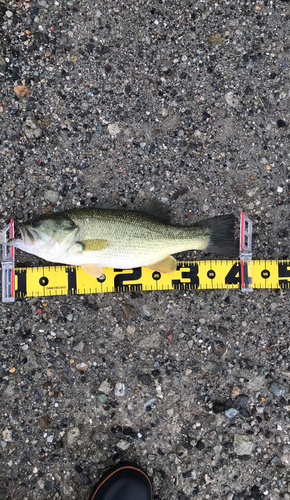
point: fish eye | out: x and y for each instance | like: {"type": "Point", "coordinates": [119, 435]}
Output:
{"type": "Point", "coordinates": [36, 223]}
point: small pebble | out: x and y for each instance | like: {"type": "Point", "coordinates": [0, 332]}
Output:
{"type": "Point", "coordinates": [48, 485]}
{"type": "Point", "coordinates": [33, 11]}
{"type": "Point", "coordinates": [21, 91]}
{"type": "Point", "coordinates": [32, 129]}
{"type": "Point", "coordinates": [85, 480]}
{"type": "Point", "coordinates": [79, 346]}
{"type": "Point", "coordinates": [123, 445]}
{"type": "Point", "coordinates": [231, 99]}
{"type": "Point", "coordinates": [215, 38]}
{"type": "Point", "coordinates": [200, 445]}
{"type": "Point", "coordinates": [51, 196]}
{"type": "Point", "coordinates": [281, 123]}
{"type": "Point", "coordinates": [82, 366]}
{"type": "Point", "coordinates": [7, 434]}
{"type": "Point", "coordinates": [245, 413]}
{"type": "Point", "coordinates": [218, 348]}
{"type": "Point", "coordinates": [241, 400]}
{"type": "Point", "coordinates": [277, 389]}
{"type": "Point", "coordinates": [105, 387]}
{"type": "Point", "coordinates": [72, 435]}
{"type": "Point", "coordinates": [120, 389]}
{"type": "Point", "coordinates": [114, 129]}
{"type": "Point", "coordinates": [231, 413]}
{"type": "Point", "coordinates": [243, 445]}
{"type": "Point", "coordinates": [131, 329]}
{"type": "Point", "coordinates": [45, 421]}
{"type": "Point", "coordinates": [102, 398]}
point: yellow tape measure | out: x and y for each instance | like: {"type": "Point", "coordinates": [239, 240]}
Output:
{"type": "Point", "coordinates": [198, 275]}
{"type": "Point", "coordinates": [245, 274]}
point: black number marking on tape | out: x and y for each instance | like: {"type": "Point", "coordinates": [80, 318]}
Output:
{"type": "Point", "coordinates": [265, 274]}
{"type": "Point", "coordinates": [72, 280]}
{"type": "Point", "coordinates": [43, 281]}
{"type": "Point", "coordinates": [211, 274]}
{"type": "Point", "coordinates": [284, 273]}
{"type": "Point", "coordinates": [191, 273]}
{"type": "Point", "coordinates": [156, 275]}
{"type": "Point", "coordinates": [22, 283]}
{"type": "Point", "coordinates": [132, 276]}
{"type": "Point", "coordinates": [234, 275]}
{"type": "Point", "coordinates": [247, 278]}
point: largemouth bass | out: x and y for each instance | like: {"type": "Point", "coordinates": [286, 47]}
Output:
{"type": "Point", "coordinates": [99, 237]}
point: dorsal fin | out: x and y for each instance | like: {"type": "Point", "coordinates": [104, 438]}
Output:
{"type": "Point", "coordinates": [156, 209]}
{"type": "Point", "coordinates": [107, 205]}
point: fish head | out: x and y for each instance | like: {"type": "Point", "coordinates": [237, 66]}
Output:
{"type": "Point", "coordinates": [47, 237]}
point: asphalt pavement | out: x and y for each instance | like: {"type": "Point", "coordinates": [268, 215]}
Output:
{"type": "Point", "coordinates": [183, 102]}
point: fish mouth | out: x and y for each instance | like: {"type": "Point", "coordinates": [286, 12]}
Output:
{"type": "Point", "coordinates": [22, 236]}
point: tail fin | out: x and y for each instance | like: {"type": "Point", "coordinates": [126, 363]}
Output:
{"type": "Point", "coordinates": [222, 235]}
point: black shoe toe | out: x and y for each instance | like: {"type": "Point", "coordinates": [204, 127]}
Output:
{"type": "Point", "coordinates": [126, 482]}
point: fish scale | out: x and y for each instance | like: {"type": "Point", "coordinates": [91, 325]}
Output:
{"type": "Point", "coordinates": [134, 239]}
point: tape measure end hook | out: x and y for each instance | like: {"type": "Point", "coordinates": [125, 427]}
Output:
{"type": "Point", "coordinates": [246, 231]}
{"type": "Point", "coordinates": [8, 264]}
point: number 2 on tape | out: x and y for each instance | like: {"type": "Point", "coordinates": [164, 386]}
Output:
{"type": "Point", "coordinates": [128, 276]}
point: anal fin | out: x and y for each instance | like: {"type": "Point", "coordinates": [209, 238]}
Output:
{"type": "Point", "coordinates": [167, 265]}
{"type": "Point", "coordinates": [93, 269]}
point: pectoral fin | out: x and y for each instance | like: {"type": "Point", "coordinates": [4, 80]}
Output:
{"type": "Point", "coordinates": [92, 245]}
{"type": "Point", "coordinates": [93, 269]}
{"type": "Point", "coordinates": [167, 265]}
